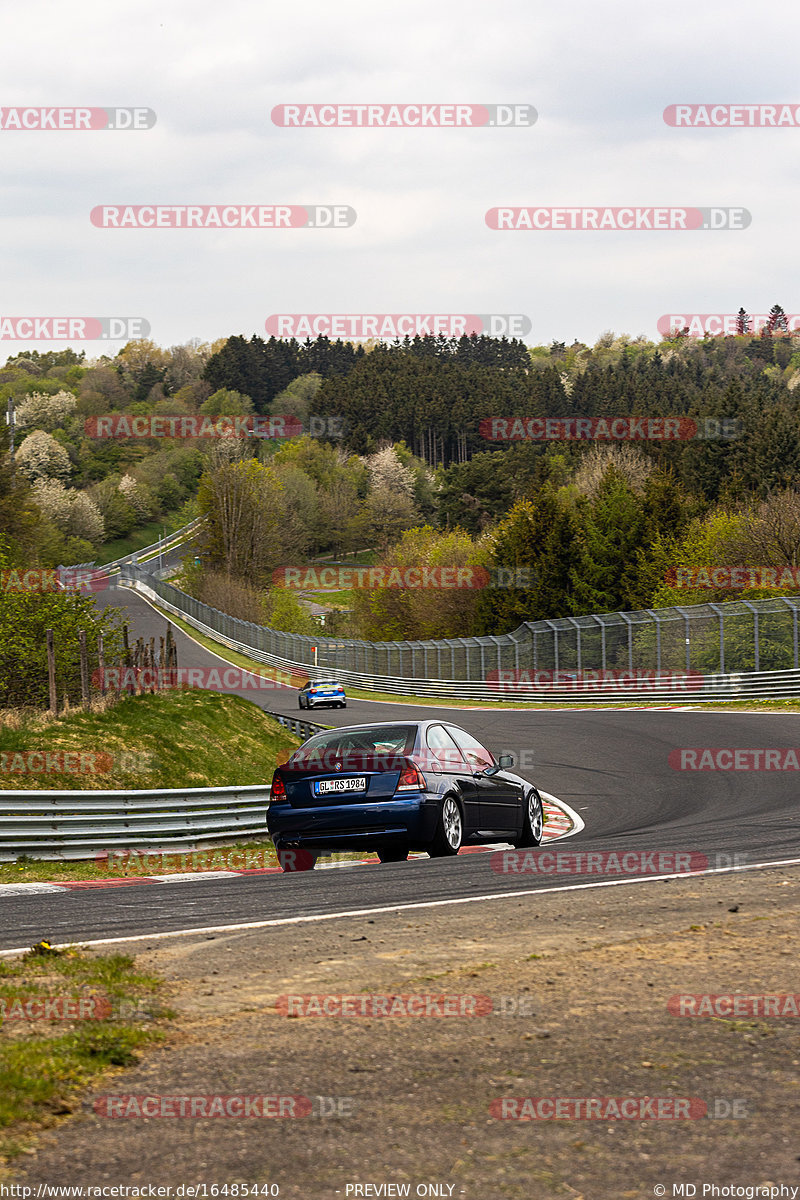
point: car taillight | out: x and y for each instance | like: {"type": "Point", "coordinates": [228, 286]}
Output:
{"type": "Point", "coordinates": [278, 787]}
{"type": "Point", "coordinates": [410, 780]}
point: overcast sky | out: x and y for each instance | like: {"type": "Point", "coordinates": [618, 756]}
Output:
{"type": "Point", "coordinates": [598, 72]}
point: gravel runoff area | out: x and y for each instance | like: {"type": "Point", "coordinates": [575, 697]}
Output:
{"type": "Point", "coordinates": [578, 986]}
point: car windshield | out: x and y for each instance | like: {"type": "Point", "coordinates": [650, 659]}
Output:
{"type": "Point", "coordinates": [328, 683]}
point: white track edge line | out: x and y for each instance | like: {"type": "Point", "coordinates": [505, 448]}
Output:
{"type": "Point", "coordinates": [389, 908]}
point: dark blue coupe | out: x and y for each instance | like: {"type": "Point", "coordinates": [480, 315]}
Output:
{"type": "Point", "coordinates": [398, 786]}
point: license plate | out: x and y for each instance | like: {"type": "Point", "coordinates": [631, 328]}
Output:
{"type": "Point", "coordinates": [357, 783]}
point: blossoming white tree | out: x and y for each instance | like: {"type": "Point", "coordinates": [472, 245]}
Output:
{"type": "Point", "coordinates": [42, 411]}
{"type": "Point", "coordinates": [41, 457]}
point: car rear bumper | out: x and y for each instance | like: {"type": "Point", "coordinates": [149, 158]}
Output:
{"type": "Point", "coordinates": [410, 821]}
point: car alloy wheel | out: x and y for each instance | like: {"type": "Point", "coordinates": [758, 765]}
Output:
{"type": "Point", "coordinates": [450, 831]}
{"type": "Point", "coordinates": [533, 828]}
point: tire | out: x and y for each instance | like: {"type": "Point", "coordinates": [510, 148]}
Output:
{"type": "Point", "coordinates": [387, 856]}
{"type": "Point", "coordinates": [299, 703]}
{"type": "Point", "coordinates": [533, 828]}
{"type": "Point", "coordinates": [449, 832]}
{"type": "Point", "coordinates": [344, 705]}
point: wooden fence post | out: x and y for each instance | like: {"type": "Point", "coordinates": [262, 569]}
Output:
{"type": "Point", "coordinates": [84, 668]}
{"type": "Point", "coordinates": [101, 663]}
{"type": "Point", "coordinates": [51, 673]}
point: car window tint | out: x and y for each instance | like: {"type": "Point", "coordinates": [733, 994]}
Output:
{"type": "Point", "coordinates": [476, 754]}
{"type": "Point", "coordinates": [398, 739]}
{"type": "Point", "coordinates": [444, 749]}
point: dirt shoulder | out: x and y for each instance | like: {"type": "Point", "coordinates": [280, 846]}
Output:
{"type": "Point", "coordinates": [579, 983]}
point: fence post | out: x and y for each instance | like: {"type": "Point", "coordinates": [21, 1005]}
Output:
{"type": "Point", "coordinates": [51, 673]}
{"type": "Point", "coordinates": [101, 664]}
{"type": "Point", "coordinates": [84, 668]}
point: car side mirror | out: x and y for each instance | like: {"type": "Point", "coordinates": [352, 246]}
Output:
{"type": "Point", "coordinates": [505, 760]}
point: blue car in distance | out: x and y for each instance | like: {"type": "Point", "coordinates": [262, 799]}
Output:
{"type": "Point", "coordinates": [397, 786]}
{"type": "Point", "coordinates": [319, 692]}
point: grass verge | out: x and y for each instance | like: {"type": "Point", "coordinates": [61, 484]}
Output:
{"type": "Point", "coordinates": [45, 1064]}
{"type": "Point", "coordinates": [185, 738]}
{"type": "Point", "coordinates": [145, 535]}
{"type": "Point", "coordinates": [172, 739]}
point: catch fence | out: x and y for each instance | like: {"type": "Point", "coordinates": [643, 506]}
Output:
{"type": "Point", "coordinates": [740, 649]}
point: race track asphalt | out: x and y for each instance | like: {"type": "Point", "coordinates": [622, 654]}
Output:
{"type": "Point", "coordinates": [611, 766]}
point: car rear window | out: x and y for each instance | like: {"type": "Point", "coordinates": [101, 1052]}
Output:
{"type": "Point", "coordinates": [382, 739]}
{"type": "Point", "coordinates": [382, 748]}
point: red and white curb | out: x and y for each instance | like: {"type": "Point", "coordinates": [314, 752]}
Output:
{"type": "Point", "coordinates": [561, 822]}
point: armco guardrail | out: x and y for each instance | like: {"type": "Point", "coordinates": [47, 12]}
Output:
{"type": "Point", "coordinates": [302, 729]}
{"type": "Point", "coordinates": [500, 681]}
{"type": "Point", "coordinates": [160, 547]}
{"type": "Point", "coordinates": [75, 825]}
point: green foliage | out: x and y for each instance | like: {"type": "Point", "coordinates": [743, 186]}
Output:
{"type": "Point", "coordinates": [25, 617]}
{"type": "Point", "coordinates": [282, 610]}
{"type": "Point", "coordinates": [244, 506]}
{"type": "Point", "coordinates": [420, 612]}
{"type": "Point", "coordinates": [538, 542]}
{"type": "Point", "coordinates": [224, 403]}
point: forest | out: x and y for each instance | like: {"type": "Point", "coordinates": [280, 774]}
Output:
{"type": "Point", "coordinates": [431, 451]}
